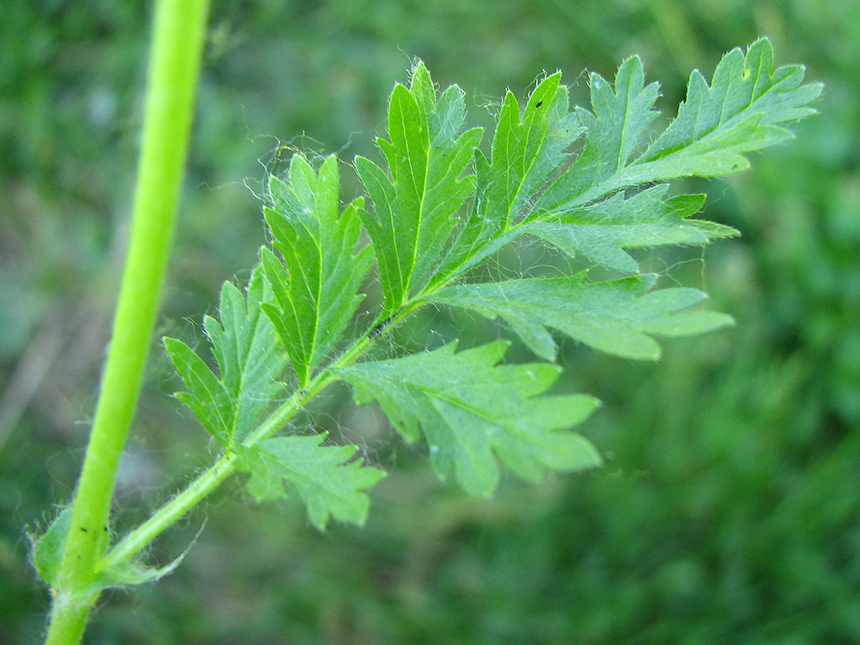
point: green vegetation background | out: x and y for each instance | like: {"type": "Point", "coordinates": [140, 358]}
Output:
{"type": "Point", "coordinates": [729, 510]}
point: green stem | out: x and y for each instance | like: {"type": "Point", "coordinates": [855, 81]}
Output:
{"type": "Point", "coordinates": [178, 35]}
{"type": "Point", "coordinates": [205, 483]}
{"type": "Point", "coordinates": [167, 515]}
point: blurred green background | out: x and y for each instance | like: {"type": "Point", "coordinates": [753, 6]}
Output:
{"type": "Point", "coordinates": [729, 508]}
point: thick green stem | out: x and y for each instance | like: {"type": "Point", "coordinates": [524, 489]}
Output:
{"type": "Point", "coordinates": [178, 35]}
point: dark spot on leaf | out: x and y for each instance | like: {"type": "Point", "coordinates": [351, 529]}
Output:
{"type": "Point", "coordinates": [538, 104]}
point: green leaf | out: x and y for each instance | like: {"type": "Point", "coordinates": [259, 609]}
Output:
{"type": "Point", "coordinates": [716, 124]}
{"type": "Point", "coordinates": [616, 317]}
{"type": "Point", "coordinates": [136, 572]}
{"type": "Point", "coordinates": [415, 207]}
{"type": "Point", "coordinates": [597, 204]}
{"type": "Point", "coordinates": [470, 409]}
{"type": "Point", "coordinates": [602, 230]}
{"type": "Point", "coordinates": [329, 479]}
{"type": "Point", "coordinates": [250, 360]}
{"type": "Point", "coordinates": [317, 293]}
{"type": "Point", "coordinates": [735, 114]}
{"type": "Point", "coordinates": [613, 130]}
{"type": "Point", "coordinates": [208, 399]}
{"type": "Point", "coordinates": [46, 551]}
{"type": "Point", "coordinates": [527, 150]}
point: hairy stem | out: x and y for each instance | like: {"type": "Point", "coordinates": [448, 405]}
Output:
{"type": "Point", "coordinates": [205, 483]}
{"type": "Point", "coordinates": [167, 515]}
{"type": "Point", "coordinates": [178, 35]}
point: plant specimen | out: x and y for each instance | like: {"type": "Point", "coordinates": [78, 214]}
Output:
{"type": "Point", "coordinates": [593, 183]}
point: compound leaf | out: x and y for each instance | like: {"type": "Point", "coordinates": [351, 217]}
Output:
{"type": "Point", "coordinates": [249, 358]}
{"type": "Point", "coordinates": [472, 411]}
{"type": "Point", "coordinates": [317, 293]}
{"type": "Point", "coordinates": [330, 481]}
{"type": "Point", "coordinates": [617, 317]}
